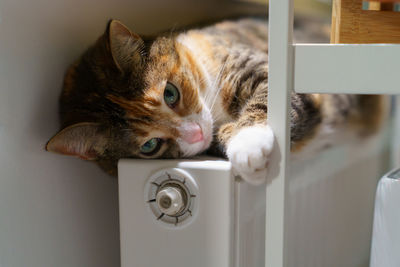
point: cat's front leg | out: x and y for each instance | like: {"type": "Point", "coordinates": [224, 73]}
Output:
{"type": "Point", "coordinates": [248, 149]}
{"type": "Point", "coordinates": [248, 140]}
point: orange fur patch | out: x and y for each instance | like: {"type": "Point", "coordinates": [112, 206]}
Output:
{"type": "Point", "coordinates": [135, 107]}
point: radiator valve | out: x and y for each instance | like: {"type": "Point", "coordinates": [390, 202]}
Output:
{"type": "Point", "coordinates": [172, 196]}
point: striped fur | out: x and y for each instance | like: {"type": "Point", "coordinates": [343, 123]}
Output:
{"type": "Point", "coordinates": [112, 100]}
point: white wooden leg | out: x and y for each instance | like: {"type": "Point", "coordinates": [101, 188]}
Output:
{"type": "Point", "coordinates": [280, 86]}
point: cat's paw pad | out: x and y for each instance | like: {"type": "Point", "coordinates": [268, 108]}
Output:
{"type": "Point", "coordinates": [249, 150]}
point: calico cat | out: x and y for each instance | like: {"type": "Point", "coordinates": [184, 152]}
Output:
{"type": "Point", "coordinates": [180, 94]}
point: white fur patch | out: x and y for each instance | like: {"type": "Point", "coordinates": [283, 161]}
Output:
{"type": "Point", "coordinates": [249, 151]}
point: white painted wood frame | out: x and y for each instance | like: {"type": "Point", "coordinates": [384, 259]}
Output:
{"type": "Point", "coordinates": [347, 68]}
{"type": "Point", "coordinates": [280, 84]}
{"type": "Point", "coordinates": [311, 68]}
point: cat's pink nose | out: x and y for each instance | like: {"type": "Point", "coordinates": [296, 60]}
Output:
{"type": "Point", "coordinates": [191, 133]}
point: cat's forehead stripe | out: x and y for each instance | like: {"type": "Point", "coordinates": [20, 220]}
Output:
{"type": "Point", "coordinates": [152, 96]}
{"type": "Point", "coordinates": [131, 106]}
{"type": "Point", "coordinates": [194, 69]}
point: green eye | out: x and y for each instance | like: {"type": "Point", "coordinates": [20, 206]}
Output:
{"type": "Point", "coordinates": [171, 95]}
{"type": "Point", "coordinates": [151, 147]}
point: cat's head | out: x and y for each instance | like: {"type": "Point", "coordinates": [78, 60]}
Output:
{"type": "Point", "coordinates": [129, 98]}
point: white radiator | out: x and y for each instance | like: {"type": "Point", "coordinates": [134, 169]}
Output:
{"type": "Point", "coordinates": [222, 227]}
{"type": "Point", "coordinates": [329, 223]}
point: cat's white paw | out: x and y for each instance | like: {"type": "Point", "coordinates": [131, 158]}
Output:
{"type": "Point", "coordinates": [249, 150]}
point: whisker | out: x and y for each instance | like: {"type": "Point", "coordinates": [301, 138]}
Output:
{"type": "Point", "coordinates": [220, 86]}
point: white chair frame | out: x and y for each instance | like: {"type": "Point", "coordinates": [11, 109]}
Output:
{"type": "Point", "coordinates": [312, 68]}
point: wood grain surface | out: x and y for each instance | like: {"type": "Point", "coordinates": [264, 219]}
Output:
{"type": "Point", "coordinates": [351, 24]}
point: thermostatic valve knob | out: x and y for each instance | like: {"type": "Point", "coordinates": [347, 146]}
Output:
{"type": "Point", "coordinates": [172, 197]}
{"type": "Point", "coordinates": [171, 200]}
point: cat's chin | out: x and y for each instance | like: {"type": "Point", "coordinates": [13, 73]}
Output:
{"type": "Point", "coordinates": [206, 142]}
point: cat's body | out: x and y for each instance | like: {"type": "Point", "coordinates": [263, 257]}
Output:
{"type": "Point", "coordinates": [180, 94]}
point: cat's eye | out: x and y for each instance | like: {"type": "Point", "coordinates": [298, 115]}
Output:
{"type": "Point", "coordinates": [171, 95]}
{"type": "Point", "coordinates": [151, 147]}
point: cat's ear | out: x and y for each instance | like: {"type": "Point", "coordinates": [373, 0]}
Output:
{"type": "Point", "coordinates": [83, 140]}
{"type": "Point", "coordinates": [126, 47]}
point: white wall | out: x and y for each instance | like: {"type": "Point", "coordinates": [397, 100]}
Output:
{"type": "Point", "coordinates": [57, 211]}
